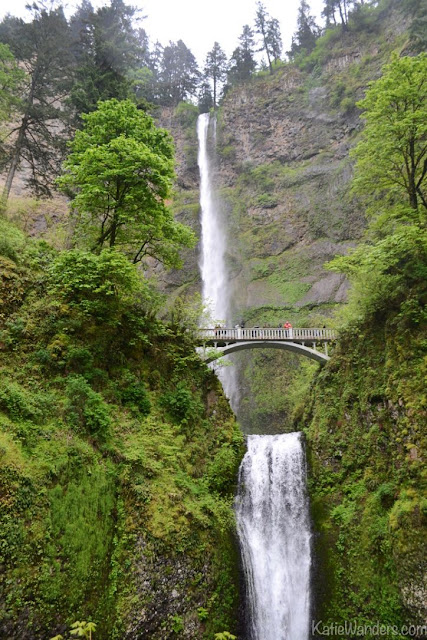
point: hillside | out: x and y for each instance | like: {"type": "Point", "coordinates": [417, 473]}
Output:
{"type": "Point", "coordinates": [119, 458]}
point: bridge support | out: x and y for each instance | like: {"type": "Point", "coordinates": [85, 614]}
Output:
{"type": "Point", "coordinates": [313, 354]}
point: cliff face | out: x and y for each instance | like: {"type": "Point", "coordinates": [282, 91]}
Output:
{"type": "Point", "coordinates": [365, 426]}
{"type": "Point", "coordinates": [283, 170]}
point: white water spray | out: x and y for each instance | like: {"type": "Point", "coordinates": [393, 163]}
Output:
{"type": "Point", "coordinates": [212, 260]}
{"type": "Point", "coordinates": [215, 290]}
{"type": "Point", "coordinates": [274, 533]}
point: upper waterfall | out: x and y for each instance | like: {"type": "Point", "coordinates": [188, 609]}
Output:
{"type": "Point", "coordinates": [212, 259]}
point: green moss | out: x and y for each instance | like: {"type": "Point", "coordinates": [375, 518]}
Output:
{"type": "Point", "coordinates": [112, 431]}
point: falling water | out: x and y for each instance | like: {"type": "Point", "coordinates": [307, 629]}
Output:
{"type": "Point", "coordinates": [215, 290]}
{"type": "Point", "coordinates": [212, 260]}
{"type": "Point", "coordinates": [274, 533]}
{"type": "Point", "coordinates": [271, 505]}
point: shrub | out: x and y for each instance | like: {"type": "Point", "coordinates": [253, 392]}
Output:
{"type": "Point", "coordinates": [135, 395]}
{"type": "Point", "coordinates": [181, 403]}
{"type": "Point", "coordinates": [86, 408]}
{"type": "Point", "coordinates": [92, 282]}
{"type": "Point", "coordinates": [18, 403]}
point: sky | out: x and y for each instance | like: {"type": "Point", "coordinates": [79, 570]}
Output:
{"type": "Point", "coordinates": [199, 23]}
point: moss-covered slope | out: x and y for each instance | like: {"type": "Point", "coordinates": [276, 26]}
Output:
{"type": "Point", "coordinates": [365, 429]}
{"type": "Point", "coordinates": [118, 459]}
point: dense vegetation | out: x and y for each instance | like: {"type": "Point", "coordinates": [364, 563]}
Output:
{"type": "Point", "coordinates": [118, 450]}
{"type": "Point", "coordinates": [119, 455]}
{"type": "Point", "coordinates": [366, 420]}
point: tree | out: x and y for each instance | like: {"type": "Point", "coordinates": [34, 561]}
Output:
{"type": "Point", "coordinates": [242, 62]}
{"type": "Point", "coordinates": [269, 30]}
{"type": "Point", "coordinates": [106, 48]}
{"type": "Point", "coordinates": [304, 39]}
{"type": "Point", "coordinates": [119, 174]}
{"type": "Point", "coordinates": [41, 48]}
{"type": "Point", "coordinates": [205, 99]}
{"type": "Point", "coordinates": [389, 270]}
{"type": "Point", "coordinates": [216, 69]}
{"type": "Point", "coordinates": [11, 81]}
{"type": "Point", "coordinates": [332, 7]}
{"type": "Point", "coordinates": [179, 74]}
{"type": "Point", "coordinates": [392, 155]}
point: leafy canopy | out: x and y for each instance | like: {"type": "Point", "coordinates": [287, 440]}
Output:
{"type": "Point", "coordinates": [392, 155]}
{"type": "Point", "coordinates": [389, 270]}
{"type": "Point", "coordinates": [119, 174]}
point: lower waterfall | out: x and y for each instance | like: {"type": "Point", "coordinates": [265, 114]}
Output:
{"type": "Point", "coordinates": [273, 526]}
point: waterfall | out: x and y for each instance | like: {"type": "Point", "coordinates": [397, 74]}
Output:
{"type": "Point", "coordinates": [212, 258]}
{"type": "Point", "coordinates": [271, 505]}
{"type": "Point", "coordinates": [215, 289]}
{"type": "Point", "coordinates": [274, 534]}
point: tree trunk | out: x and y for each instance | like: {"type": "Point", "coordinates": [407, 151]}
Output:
{"type": "Point", "coordinates": [14, 163]}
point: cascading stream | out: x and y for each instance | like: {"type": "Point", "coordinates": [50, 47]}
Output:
{"type": "Point", "coordinates": [274, 532]}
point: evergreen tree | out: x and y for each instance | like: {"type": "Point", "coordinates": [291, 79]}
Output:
{"type": "Point", "coordinates": [307, 31]}
{"type": "Point", "coordinates": [332, 8]}
{"type": "Point", "coordinates": [179, 74]}
{"type": "Point", "coordinates": [106, 49]}
{"type": "Point", "coordinates": [242, 62]}
{"type": "Point", "coordinates": [205, 101]}
{"type": "Point", "coordinates": [274, 39]}
{"type": "Point", "coordinates": [269, 31]}
{"type": "Point", "coordinates": [42, 48]}
{"type": "Point", "coordinates": [215, 69]}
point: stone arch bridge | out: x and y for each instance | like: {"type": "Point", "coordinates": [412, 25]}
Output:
{"type": "Point", "coordinates": [312, 343]}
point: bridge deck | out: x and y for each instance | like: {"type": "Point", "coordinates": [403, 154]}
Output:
{"type": "Point", "coordinates": [299, 336]}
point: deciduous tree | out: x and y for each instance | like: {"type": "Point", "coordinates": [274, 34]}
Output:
{"type": "Point", "coordinates": [392, 155]}
{"type": "Point", "coordinates": [119, 174]}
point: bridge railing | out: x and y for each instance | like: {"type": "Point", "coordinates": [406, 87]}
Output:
{"type": "Point", "coordinates": [266, 333]}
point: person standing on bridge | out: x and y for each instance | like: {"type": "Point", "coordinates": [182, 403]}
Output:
{"type": "Point", "coordinates": [288, 329]}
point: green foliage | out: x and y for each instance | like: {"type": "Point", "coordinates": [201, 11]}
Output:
{"type": "Point", "coordinates": [12, 241]}
{"type": "Point", "coordinates": [101, 449]}
{"type": "Point", "coordinates": [182, 404]}
{"type": "Point", "coordinates": [187, 114]}
{"type": "Point", "coordinates": [83, 629]}
{"type": "Point", "coordinates": [391, 155]}
{"type": "Point", "coordinates": [85, 408]}
{"type": "Point", "coordinates": [93, 283]}
{"type": "Point", "coordinates": [384, 273]}
{"type": "Point", "coordinates": [222, 470]}
{"type": "Point", "coordinates": [135, 395]}
{"type": "Point", "coordinates": [202, 613]}
{"type": "Point", "coordinates": [225, 635]}
{"type": "Point", "coordinates": [18, 403]}
{"type": "Point", "coordinates": [177, 624]}
{"type": "Point", "coordinates": [120, 172]}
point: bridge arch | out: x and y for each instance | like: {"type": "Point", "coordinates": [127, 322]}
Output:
{"type": "Point", "coordinates": [301, 349]}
